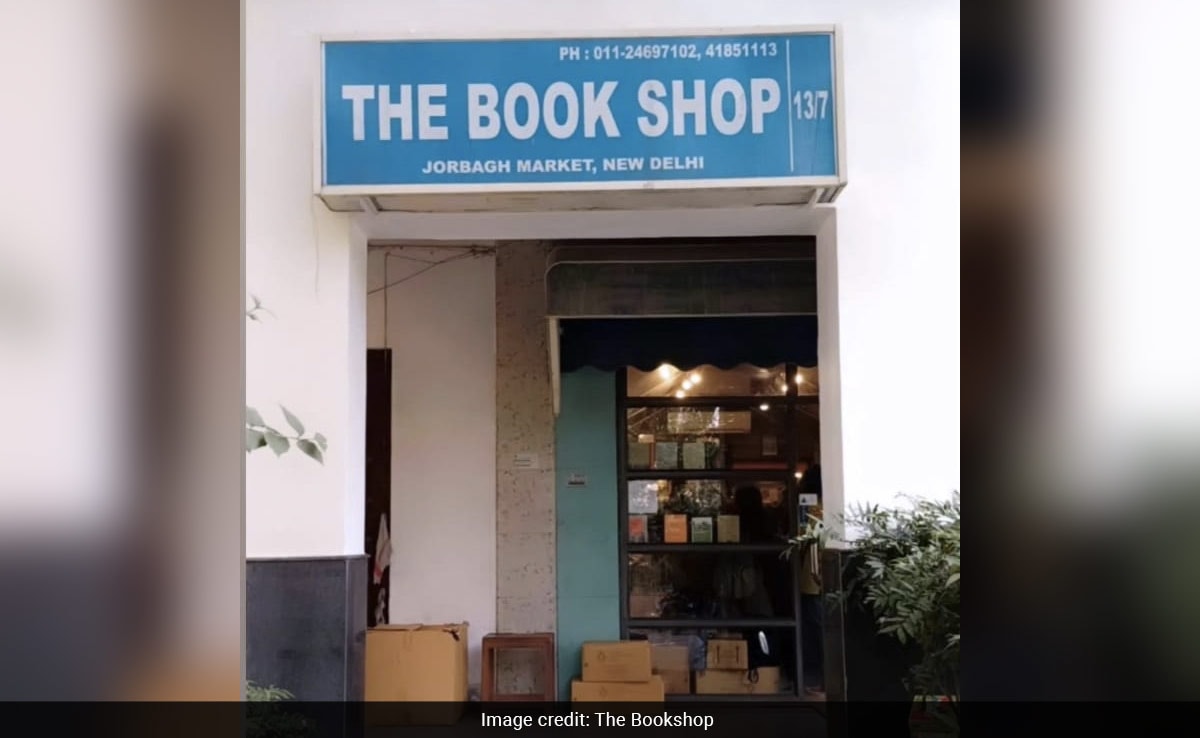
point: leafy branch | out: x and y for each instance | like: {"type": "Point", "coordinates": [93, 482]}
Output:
{"type": "Point", "coordinates": [907, 573]}
{"type": "Point", "coordinates": [260, 435]}
{"type": "Point", "coordinates": [257, 693]}
{"type": "Point", "coordinates": [274, 720]}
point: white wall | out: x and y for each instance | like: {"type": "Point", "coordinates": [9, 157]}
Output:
{"type": "Point", "coordinates": [897, 234]}
{"type": "Point", "coordinates": [441, 327]}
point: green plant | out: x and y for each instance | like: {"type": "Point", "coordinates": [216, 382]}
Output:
{"type": "Point", "coordinates": [905, 570]}
{"type": "Point", "coordinates": [274, 720]}
{"type": "Point", "coordinates": [256, 693]}
{"type": "Point", "coordinates": [259, 434]}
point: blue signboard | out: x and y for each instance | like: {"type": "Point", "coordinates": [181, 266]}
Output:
{"type": "Point", "coordinates": [757, 109]}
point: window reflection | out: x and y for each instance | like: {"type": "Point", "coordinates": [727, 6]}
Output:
{"type": "Point", "coordinates": [708, 381]}
{"type": "Point", "coordinates": [701, 586]}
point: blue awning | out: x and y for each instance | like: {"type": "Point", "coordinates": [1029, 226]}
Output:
{"type": "Point", "coordinates": [685, 343]}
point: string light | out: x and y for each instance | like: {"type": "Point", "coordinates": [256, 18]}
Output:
{"type": "Point", "coordinates": [695, 378]}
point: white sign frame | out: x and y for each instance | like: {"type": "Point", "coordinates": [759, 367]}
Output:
{"type": "Point", "coordinates": [368, 191]}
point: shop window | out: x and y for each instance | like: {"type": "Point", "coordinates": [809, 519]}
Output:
{"type": "Point", "coordinates": [719, 468]}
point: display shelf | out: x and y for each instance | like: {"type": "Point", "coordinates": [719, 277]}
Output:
{"type": "Point", "coordinates": [713, 548]}
{"type": "Point", "coordinates": [733, 403]}
{"type": "Point", "coordinates": [742, 443]}
{"type": "Point", "coordinates": [789, 697]}
{"type": "Point", "coordinates": [709, 623]}
{"type": "Point", "coordinates": [732, 475]}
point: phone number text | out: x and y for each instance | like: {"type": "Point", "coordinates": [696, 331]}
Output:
{"type": "Point", "coordinates": [628, 52]}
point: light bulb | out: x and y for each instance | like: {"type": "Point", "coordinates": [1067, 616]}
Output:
{"type": "Point", "coordinates": [799, 476]}
{"type": "Point", "coordinates": [687, 384]}
{"type": "Point", "coordinates": [695, 377]}
{"type": "Point", "coordinates": [764, 407]}
{"type": "Point", "coordinates": [799, 378]}
{"type": "Point", "coordinates": [664, 371]}
{"type": "Point", "coordinates": [679, 395]}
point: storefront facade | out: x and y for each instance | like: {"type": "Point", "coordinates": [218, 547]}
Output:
{"type": "Point", "coordinates": [504, 464]}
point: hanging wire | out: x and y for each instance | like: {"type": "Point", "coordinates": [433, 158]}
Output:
{"type": "Point", "coordinates": [472, 253]}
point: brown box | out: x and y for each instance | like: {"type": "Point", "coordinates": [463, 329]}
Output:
{"type": "Point", "coordinates": [720, 681]}
{"type": "Point", "coordinates": [676, 681]}
{"type": "Point", "coordinates": [675, 529]}
{"type": "Point", "coordinates": [416, 663]}
{"type": "Point", "coordinates": [652, 690]}
{"type": "Point", "coordinates": [617, 661]}
{"type": "Point", "coordinates": [727, 654]}
{"type": "Point", "coordinates": [673, 664]}
{"type": "Point", "coordinates": [669, 656]}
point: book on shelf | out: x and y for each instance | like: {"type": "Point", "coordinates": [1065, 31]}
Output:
{"type": "Point", "coordinates": [694, 456]}
{"type": "Point", "coordinates": [638, 529]}
{"type": "Point", "coordinates": [729, 529]}
{"type": "Point", "coordinates": [640, 455]}
{"type": "Point", "coordinates": [675, 529]}
{"type": "Point", "coordinates": [643, 498]}
{"type": "Point", "coordinates": [666, 455]}
{"type": "Point", "coordinates": [702, 530]}
{"type": "Point", "coordinates": [714, 453]}
{"type": "Point", "coordinates": [654, 529]}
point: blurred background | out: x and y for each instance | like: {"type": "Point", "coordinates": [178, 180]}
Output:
{"type": "Point", "coordinates": [122, 311]}
{"type": "Point", "coordinates": [120, 350]}
{"type": "Point", "coordinates": [1081, 405]}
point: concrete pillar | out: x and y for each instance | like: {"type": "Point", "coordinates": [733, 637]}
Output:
{"type": "Point", "coordinates": [525, 520]}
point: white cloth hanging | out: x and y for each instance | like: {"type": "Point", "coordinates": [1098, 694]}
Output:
{"type": "Point", "coordinates": [383, 550]}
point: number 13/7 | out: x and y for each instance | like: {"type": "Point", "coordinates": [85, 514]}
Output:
{"type": "Point", "coordinates": [812, 104]}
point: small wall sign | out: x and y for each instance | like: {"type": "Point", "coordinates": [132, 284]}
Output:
{"type": "Point", "coordinates": [577, 479]}
{"type": "Point", "coordinates": [526, 461]}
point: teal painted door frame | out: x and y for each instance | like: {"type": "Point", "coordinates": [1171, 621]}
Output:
{"type": "Point", "coordinates": [588, 594]}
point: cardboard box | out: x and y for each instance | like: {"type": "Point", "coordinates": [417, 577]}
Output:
{"type": "Point", "coordinates": [416, 663]}
{"type": "Point", "coordinates": [673, 664]}
{"type": "Point", "coordinates": [652, 690]}
{"type": "Point", "coordinates": [617, 661]}
{"type": "Point", "coordinates": [720, 681]}
{"type": "Point", "coordinates": [669, 656]}
{"type": "Point", "coordinates": [676, 682]}
{"type": "Point", "coordinates": [728, 654]}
